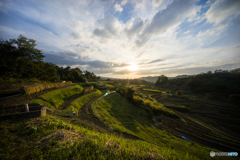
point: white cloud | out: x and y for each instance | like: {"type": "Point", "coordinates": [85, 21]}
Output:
{"type": "Point", "coordinates": [124, 2]}
{"type": "Point", "coordinates": [168, 19]}
{"type": "Point", "coordinates": [157, 3]}
{"type": "Point", "coordinates": [222, 9]}
{"type": "Point", "coordinates": [213, 31]}
{"type": "Point", "coordinates": [188, 31]}
{"type": "Point", "coordinates": [107, 27]}
{"type": "Point", "coordinates": [118, 8]}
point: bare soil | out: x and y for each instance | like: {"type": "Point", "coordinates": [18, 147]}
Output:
{"type": "Point", "coordinates": [86, 108]}
{"type": "Point", "coordinates": [71, 99]}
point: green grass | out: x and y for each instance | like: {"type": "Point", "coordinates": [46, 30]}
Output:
{"type": "Point", "coordinates": [52, 138]}
{"type": "Point", "coordinates": [54, 99]}
{"type": "Point", "coordinates": [79, 102]}
{"type": "Point", "coordinates": [152, 90]}
{"type": "Point", "coordinates": [180, 108]}
{"type": "Point", "coordinates": [121, 115]}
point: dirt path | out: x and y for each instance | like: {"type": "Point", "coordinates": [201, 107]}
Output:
{"type": "Point", "coordinates": [71, 99]}
{"type": "Point", "coordinates": [86, 108]}
{"type": "Point", "coordinates": [87, 119]}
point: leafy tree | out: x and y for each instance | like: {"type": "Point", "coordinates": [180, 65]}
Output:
{"type": "Point", "coordinates": [221, 81]}
{"type": "Point", "coordinates": [27, 50]}
{"type": "Point", "coordinates": [20, 59]}
{"type": "Point", "coordinates": [98, 78]}
{"type": "Point", "coordinates": [161, 79]}
{"type": "Point", "coordinates": [50, 72]}
{"type": "Point", "coordinates": [77, 69]}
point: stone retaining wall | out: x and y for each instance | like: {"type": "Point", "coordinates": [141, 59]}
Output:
{"type": "Point", "coordinates": [32, 114]}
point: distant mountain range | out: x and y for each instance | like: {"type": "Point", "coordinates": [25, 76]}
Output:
{"type": "Point", "coordinates": [154, 78]}
{"type": "Point", "coordinates": [109, 77]}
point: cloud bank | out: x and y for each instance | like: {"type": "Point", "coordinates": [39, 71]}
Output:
{"type": "Point", "coordinates": [170, 37]}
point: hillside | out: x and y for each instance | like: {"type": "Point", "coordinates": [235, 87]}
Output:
{"type": "Point", "coordinates": [113, 126]}
{"type": "Point", "coordinates": [154, 78]}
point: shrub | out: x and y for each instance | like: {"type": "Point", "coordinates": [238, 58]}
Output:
{"type": "Point", "coordinates": [178, 93]}
{"type": "Point", "coordinates": [88, 89]}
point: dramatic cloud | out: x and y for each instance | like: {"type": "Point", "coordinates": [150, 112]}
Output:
{"type": "Point", "coordinates": [168, 19]}
{"type": "Point", "coordinates": [170, 37]}
{"type": "Point", "coordinates": [222, 9]}
{"type": "Point", "coordinates": [107, 27]}
{"type": "Point", "coordinates": [134, 27]}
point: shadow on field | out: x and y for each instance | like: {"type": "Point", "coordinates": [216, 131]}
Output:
{"type": "Point", "coordinates": [120, 112]}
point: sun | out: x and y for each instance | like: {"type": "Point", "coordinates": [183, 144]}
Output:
{"type": "Point", "coordinates": [133, 67]}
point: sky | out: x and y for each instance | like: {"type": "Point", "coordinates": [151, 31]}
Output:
{"type": "Point", "coordinates": [129, 38]}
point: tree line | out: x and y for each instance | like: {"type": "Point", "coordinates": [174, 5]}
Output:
{"type": "Point", "coordinates": [220, 81]}
{"type": "Point", "coordinates": [19, 59]}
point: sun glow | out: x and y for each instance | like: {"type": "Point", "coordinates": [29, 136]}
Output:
{"type": "Point", "coordinates": [133, 67]}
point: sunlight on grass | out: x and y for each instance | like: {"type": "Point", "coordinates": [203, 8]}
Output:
{"type": "Point", "coordinates": [79, 102]}
{"type": "Point", "coordinates": [54, 99]}
{"type": "Point", "coordinates": [121, 115]}
{"type": "Point", "coordinates": [41, 138]}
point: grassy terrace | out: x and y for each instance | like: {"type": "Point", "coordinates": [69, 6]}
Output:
{"type": "Point", "coordinates": [79, 102]}
{"type": "Point", "coordinates": [121, 115]}
{"type": "Point", "coordinates": [152, 92]}
{"type": "Point", "coordinates": [53, 138]}
{"type": "Point", "coordinates": [54, 99]}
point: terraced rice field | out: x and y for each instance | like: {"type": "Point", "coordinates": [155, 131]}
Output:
{"type": "Point", "coordinates": [209, 123]}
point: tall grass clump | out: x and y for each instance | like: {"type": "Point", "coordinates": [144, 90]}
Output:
{"type": "Point", "coordinates": [39, 87]}
{"type": "Point", "coordinates": [88, 89]}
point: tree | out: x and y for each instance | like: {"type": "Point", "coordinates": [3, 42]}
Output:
{"type": "Point", "coordinates": [27, 50]}
{"type": "Point", "coordinates": [77, 69]}
{"type": "Point", "coordinates": [50, 72]}
{"type": "Point", "coordinates": [161, 79]}
{"type": "Point", "coordinates": [19, 58]}
{"type": "Point", "coordinates": [98, 78]}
